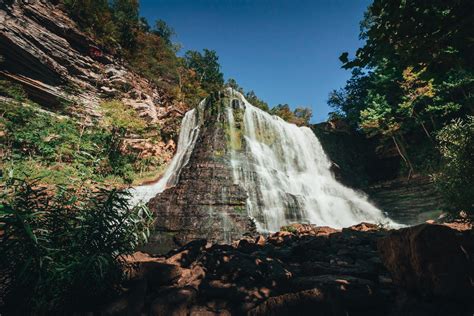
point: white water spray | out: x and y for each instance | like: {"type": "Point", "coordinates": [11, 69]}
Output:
{"type": "Point", "coordinates": [287, 175]}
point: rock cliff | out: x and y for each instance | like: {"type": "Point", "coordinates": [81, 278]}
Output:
{"type": "Point", "coordinates": [358, 163]}
{"type": "Point", "coordinates": [44, 51]}
{"type": "Point", "coordinates": [205, 202]}
{"type": "Point", "coordinates": [246, 166]}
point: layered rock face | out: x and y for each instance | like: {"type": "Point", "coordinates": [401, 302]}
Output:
{"type": "Point", "coordinates": [358, 163]}
{"type": "Point", "coordinates": [203, 200]}
{"type": "Point", "coordinates": [44, 51]}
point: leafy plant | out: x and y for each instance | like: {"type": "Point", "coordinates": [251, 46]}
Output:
{"type": "Point", "coordinates": [455, 181]}
{"type": "Point", "coordinates": [63, 249]}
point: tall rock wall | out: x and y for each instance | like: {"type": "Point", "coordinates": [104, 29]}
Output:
{"type": "Point", "coordinates": [45, 52]}
{"type": "Point", "coordinates": [205, 202]}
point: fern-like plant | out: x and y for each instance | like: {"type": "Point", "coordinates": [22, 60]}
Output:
{"type": "Point", "coordinates": [63, 250]}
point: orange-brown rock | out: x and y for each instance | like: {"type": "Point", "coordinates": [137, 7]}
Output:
{"type": "Point", "coordinates": [364, 227]}
{"type": "Point", "coordinates": [429, 259]}
{"type": "Point", "coordinates": [340, 273]}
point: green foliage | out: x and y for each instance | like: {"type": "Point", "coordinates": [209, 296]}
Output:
{"type": "Point", "coordinates": [232, 83]}
{"type": "Point", "coordinates": [116, 25]}
{"type": "Point", "coordinates": [64, 250]}
{"type": "Point", "coordinates": [121, 117]}
{"type": "Point", "coordinates": [163, 30]}
{"type": "Point", "coordinates": [455, 181]}
{"type": "Point", "coordinates": [95, 17]}
{"type": "Point", "coordinates": [300, 116]}
{"type": "Point", "coordinates": [60, 150]}
{"type": "Point", "coordinates": [256, 101]}
{"type": "Point", "coordinates": [207, 67]}
{"type": "Point", "coordinates": [126, 19]}
{"type": "Point", "coordinates": [11, 90]}
{"type": "Point", "coordinates": [290, 228]}
{"type": "Point", "coordinates": [410, 78]}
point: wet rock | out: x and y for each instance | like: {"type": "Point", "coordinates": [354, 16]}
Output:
{"type": "Point", "coordinates": [205, 202]}
{"type": "Point", "coordinates": [260, 240]}
{"type": "Point", "coordinates": [430, 260]}
{"type": "Point", "coordinates": [364, 227]}
{"type": "Point", "coordinates": [335, 274]}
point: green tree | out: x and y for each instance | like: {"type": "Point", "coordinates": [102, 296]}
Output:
{"type": "Point", "coordinates": [256, 101]}
{"type": "Point", "coordinates": [207, 67]}
{"type": "Point", "coordinates": [163, 30]}
{"type": "Point", "coordinates": [95, 17]}
{"type": "Point", "coordinates": [126, 18]}
{"type": "Point", "coordinates": [417, 56]}
{"type": "Point", "coordinates": [455, 179]}
{"type": "Point", "coordinates": [232, 83]}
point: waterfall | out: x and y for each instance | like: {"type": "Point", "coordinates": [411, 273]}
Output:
{"type": "Point", "coordinates": [187, 139]}
{"type": "Point", "coordinates": [287, 176]}
{"type": "Point", "coordinates": [282, 167]}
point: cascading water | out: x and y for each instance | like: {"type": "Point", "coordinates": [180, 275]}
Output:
{"type": "Point", "coordinates": [282, 167]}
{"type": "Point", "coordinates": [187, 139]}
{"type": "Point", "coordinates": [287, 175]}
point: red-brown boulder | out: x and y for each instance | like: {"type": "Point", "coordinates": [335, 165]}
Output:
{"type": "Point", "coordinates": [430, 260]}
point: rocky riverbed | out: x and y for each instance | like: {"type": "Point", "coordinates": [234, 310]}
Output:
{"type": "Point", "coordinates": [310, 270]}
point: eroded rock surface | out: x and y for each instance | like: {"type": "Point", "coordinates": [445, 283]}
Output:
{"type": "Point", "coordinates": [44, 51]}
{"type": "Point", "coordinates": [205, 202]}
{"type": "Point", "coordinates": [432, 260]}
{"type": "Point", "coordinates": [315, 272]}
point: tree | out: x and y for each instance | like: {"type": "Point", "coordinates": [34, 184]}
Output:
{"type": "Point", "coordinates": [456, 145]}
{"type": "Point", "coordinates": [95, 17]}
{"type": "Point", "coordinates": [163, 30]}
{"type": "Point", "coordinates": [417, 60]}
{"type": "Point", "coordinates": [231, 83]}
{"type": "Point", "coordinates": [126, 18]}
{"type": "Point", "coordinates": [256, 101]}
{"type": "Point", "coordinates": [207, 68]}
{"type": "Point", "coordinates": [378, 118]}
{"type": "Point", "coordinates": [303, 115]}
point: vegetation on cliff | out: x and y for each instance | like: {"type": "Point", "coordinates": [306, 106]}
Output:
{"type": "Point", "coordinates": [61, 150]}
{"type": "Point", "coordinates": [412, 77]}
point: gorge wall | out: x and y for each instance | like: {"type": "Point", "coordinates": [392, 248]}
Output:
{"type": "Point", "coordinates": [56, 63]}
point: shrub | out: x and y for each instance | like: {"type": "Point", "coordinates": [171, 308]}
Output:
{"type": "Point", "coordinates": [456, 178]}
{"type": "Point", "coordinates": [62, 249]}
{"type": "Point", "coordinates": [11, 90]}
{"type": "Point", "coordinates": [119, 116]}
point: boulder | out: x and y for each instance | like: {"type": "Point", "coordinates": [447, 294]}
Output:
{"type": "Point", "coordinates": [430, 260]}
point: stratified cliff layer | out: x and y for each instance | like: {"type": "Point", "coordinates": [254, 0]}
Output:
{"type": "Point", "coordinates": [44, 51]}
{"type": "Point", "coordinates": [204, 202]}
{"type": "Point", "coordinates": [359, 164]}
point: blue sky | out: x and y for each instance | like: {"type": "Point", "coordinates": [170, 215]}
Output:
{"type": "Point", "coordinates": [285, 50]}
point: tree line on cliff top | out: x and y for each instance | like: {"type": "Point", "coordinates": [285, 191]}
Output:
{"type": "Point", "coordinates": [150, 50]}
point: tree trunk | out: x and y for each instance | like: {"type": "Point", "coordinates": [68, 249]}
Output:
{"type": "Point", "coordinates": [402, 152]}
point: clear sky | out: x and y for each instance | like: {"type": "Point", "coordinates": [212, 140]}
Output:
{"type": "Point", "coordinates": [285, 50]}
